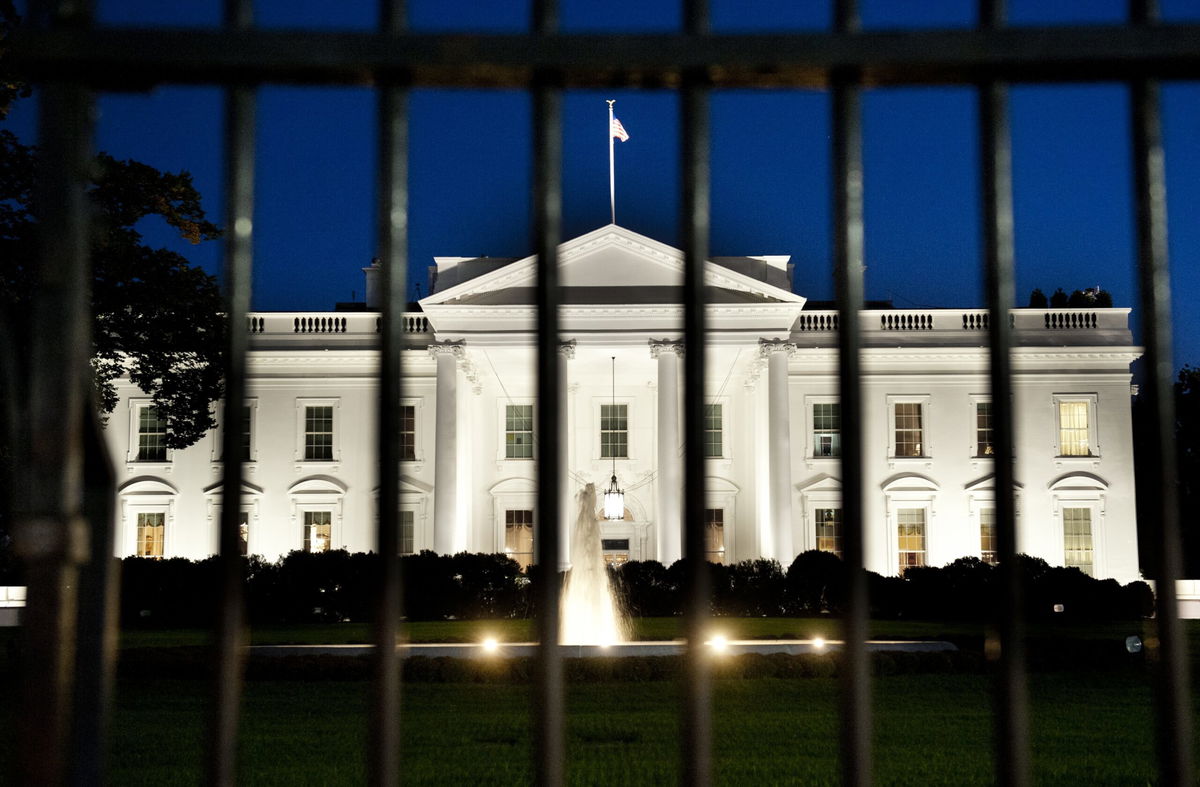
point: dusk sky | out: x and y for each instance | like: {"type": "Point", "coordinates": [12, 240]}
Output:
{"type": "Point", "coordinates": [470, 183]}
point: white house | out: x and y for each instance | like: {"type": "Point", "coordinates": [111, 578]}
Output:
{"type": "Point", "coordinates": [772, 437]}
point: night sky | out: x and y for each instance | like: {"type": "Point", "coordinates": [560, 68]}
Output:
{"type": "Point", "coordinates": [470, 184]}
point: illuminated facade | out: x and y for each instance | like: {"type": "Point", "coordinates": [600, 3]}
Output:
{"type": "Point", "coordinates": [772, 432]}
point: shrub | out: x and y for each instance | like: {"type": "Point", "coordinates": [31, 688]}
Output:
{"type": "Point", "coordinates": [815, 583]}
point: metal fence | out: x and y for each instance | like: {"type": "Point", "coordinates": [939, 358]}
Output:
{"type": "Point", "coordinates": [64, 529]}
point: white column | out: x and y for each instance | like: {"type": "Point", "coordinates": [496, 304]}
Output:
{"type": "Point", "coordinates": [669, 500]}
{"type": "Point", "coordinates": [445, 452]}
{"type": "Point", "coordinates": [779, 429]}
{"type": "Point", "coordinates": [566, 501]}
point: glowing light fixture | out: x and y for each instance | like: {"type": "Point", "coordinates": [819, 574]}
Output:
{"type": "Point", "coordinates": [491, 645]}
{"type": "Point", "coordinates": [614, 498]}
{"type": "Point", "coordinates": [818, 643]}
{"type": "Point", "coordinates": [718, 643]}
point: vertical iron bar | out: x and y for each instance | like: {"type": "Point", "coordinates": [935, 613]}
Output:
{"type": "Point", "coordinates": [695, 227]}
{"type": "Point", "coordinates": [848, 273]}
{"type": "Point", "coordinates": [1172, 680]}
{"type": "Point", "coordinates": [1012, 748]}
{"type": "Point", "coordinates": [392, 223]}
{"type": "Point", "coordinates": [99, 579]}
{"type": "Point", "coordinates": [239, 226]}
{"type": "Point", "coordinates": [48, 532]}
{"type": "Point", "coordinates": [547, 230]}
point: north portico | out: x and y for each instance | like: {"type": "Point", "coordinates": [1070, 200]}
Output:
{"type": "Point", "coordinates": [772, 428]}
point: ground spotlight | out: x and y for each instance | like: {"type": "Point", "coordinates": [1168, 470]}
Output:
{"type": "Point", "coordinates": [818, 643]}
{"type": "Point", "coordinates": [491, 645]}
{"type": "Point", "coordinates": [718, 643]}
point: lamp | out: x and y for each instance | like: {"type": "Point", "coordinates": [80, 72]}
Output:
{"type": "Point", "coordinates": [614, 498]}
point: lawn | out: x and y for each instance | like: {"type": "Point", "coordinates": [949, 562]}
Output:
{"type": "Point", "coordinates": [930, 729]}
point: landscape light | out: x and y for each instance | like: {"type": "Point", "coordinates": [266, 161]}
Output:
{"type": "Point", "coordinates": [818, 643]}
{"type": "Point", "coordinates": [491, 645]}
{"type": "Point", "coordinates": [718, 643]}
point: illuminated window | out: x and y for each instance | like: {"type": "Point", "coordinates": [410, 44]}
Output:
{"type": "Point", "coordinates": [318, 433]}
{"type": "Point", "coordinates": [614, 431]}
{"type": "Point", "coordinates": [518, 431]}
{"type": "Point", "coordinates": [987, 535]}
{"type": "Point", "coordinates": [151, 436]}
{"type": "Point", "coordinates": [1077, 538]}
{"type": "Point", "coordinates": [714, 436]}
{"type": "Point", "coordinates": [407, 520]}
{"type": "Point", "coordinates": [910, 524]}
{"type": "Point", "coordinates": [151, 531]}
{"type": "Point", "coordinates": [408, 433]}
{"type": "Point", "coordinates": [318, 531]}
{"type": "Point", "coordinates": [714, 534]}
{"type": "Point", "coordinates": [518, 536]}
{"type": "Point", "coordinates": [829, 530]}
{"type": "Point", "coordinates": [983, 429]}
{"type": "Point", "coordinates": [1073, 432]}
{"type": "Point", "coordinates": [909, 429]}
{"type": "Point", "coordinates": [827, 429]}
{"type": "Point", "coordinates": [244, 532]}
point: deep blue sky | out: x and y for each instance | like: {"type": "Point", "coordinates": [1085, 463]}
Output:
{"type": "Point", "coordinates": [771, 191]}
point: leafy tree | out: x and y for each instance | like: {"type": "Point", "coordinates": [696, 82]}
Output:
{"type": "Point", "coordinates": [155, 316]}
{"type": "Point", "coordinates": [1037, 299]}
{"type": "Point", "coordinates": [1059, 299]}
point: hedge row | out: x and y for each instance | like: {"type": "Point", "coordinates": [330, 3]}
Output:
{"type": "Point", "coordinates": [334, 586]}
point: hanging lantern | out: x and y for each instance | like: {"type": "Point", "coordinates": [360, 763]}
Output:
{"type": "Point", "coordinates": [614, 501]}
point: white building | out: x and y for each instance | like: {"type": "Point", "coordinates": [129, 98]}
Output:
{"type": "Point", "coordinates": [772, 439]}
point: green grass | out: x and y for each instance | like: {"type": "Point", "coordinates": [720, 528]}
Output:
{"type": "Point", "coordinates": [929, 730]}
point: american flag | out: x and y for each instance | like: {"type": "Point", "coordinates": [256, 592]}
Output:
{"type": "Point", "coordinates": [619, 131]}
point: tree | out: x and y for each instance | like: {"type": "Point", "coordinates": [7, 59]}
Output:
{"type": "Point", "coordinates": [155, 316]}
{"type": "Point", "coordinates": [1037, 299]}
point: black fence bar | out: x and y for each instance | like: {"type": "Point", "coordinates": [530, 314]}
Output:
{"type": "Point", "coordinates": [1150, 195]}
{"type": "Point", "coordinates": [695, 226]}
{"type": "Point", "coordinates": [49, 531]}
{"type": "Point", "coordinates": [848, 244]}
{"type": "Point", "coordinates": [995, 154]}
{"type": "Point", "coordinates": [130, 58]}
{"type": "Point", "coordinates": [392, 224]}
{"type": "Point", "coordinates": [548, 705]}
{"type": "Point", "coordinates": [239, 227]}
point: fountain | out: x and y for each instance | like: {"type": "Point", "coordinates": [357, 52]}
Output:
{"type": "Point", "coordinates": [590, 613]}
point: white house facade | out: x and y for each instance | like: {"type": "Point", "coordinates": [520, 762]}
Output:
{"type": "Point", "coordinates": [772, 436]}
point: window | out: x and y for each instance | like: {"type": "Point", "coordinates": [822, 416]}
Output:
{"type": "Point", "coordinates": [614, 431]}
{"type": "Point", "coordinates": [518, 536]}
{"type": "Point", "coordinates": [244, 532]}
{"type": "Point", "coordinates": [408, 433]}
{"type": "Point", "coordinates": [1077, 538]}
{"type": "Point", "coordinates": [151, 531]}
{"type": "Point", "coordinates": [714, 534]}
{"type": "Point", "coordinates": [518, 431]}
{"type": "Point", "coordinates": [829, 530]}
{"type": "Point", "coordinates": [909, 429]}
{"type": "Point", "coordinates": [987, 535]}
{"type": "Point", "coordinates": [910, 534]}
{"type": "Point", "coordinates": [1073, 433]}
{"type": "Point", "coordinates": [983, 429]}
{"type": "Point", "coordinates": [827, 429]}
{"type": "Point", "coordinates": [318, 531]}
{"type": "Point", "coordinates": [714, 443]}
{"type": "Point", "coordinates": [151, 436]}
{"type": "Point", "coordinates": [318, 433]}
{"type": "Point", "coordinates": [407, 526]}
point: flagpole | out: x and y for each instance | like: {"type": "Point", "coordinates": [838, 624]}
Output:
{"type": "Point", "coordinates": [612, 177]}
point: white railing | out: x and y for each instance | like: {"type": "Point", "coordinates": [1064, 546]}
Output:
{"type": "Point", "coordinates": [311, 323]}
{"type": "Point", "coordinates": [916, 320]}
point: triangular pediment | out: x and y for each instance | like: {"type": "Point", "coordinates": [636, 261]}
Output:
{"type": "Point", "coordinates": [614, 265]}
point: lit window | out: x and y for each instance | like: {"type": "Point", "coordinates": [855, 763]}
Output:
{"type": "Point", "coordinates": [518, 536]}
{"type": "Point", "coordinates": [408, 433]}
{"type": "Point", "coordinates": [1077, 538]}
{"type": "Point", "coordinates": [983, 429]}
{"type": "Point", "coordinates": [911, 537]}
{"type": "Point", "coordinates": [829, 530]}
{"type": "Point", "coordinates": [614, 431]}
{"type": "Point", "coordinates": [518, 431]}
{"type": "Point", "coordinates": [714, 534]}
{"type": "Point", "coordinates": [407, 518]}
{"type": "Point", "coordinates": [910, 431]}
{"type": "Point", "coordinates": [318, 433]}
{"type": "Point", "coordinates": [1073, 429]}
{"type": "Point", "coordinates": [244, 532]}
{"type": "Point", "coordinates": [987, 535]}
{"type": "Point", "coordinates": [318, 531]}
{"type": "Point", "coordinates": [151, 529]}
{"type": "Point", "coordinates": [827, 429]}
{"type": "Point", "coordinates": [151, 436]}
{"type": "Point", "coordinates": [713, 433]}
